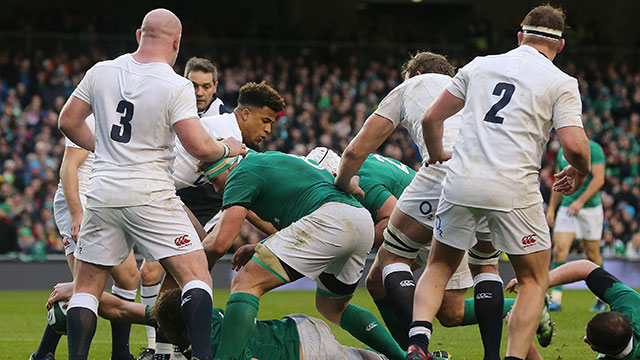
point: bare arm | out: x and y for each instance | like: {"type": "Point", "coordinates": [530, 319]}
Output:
{"type": "Point", "coordinates": [597, 180]}
{"type": "Point", "coordinates": [555, 199]}
{"type": "Point", "coordinates": [566, 274]}
{"type": "Point", "coordinates": [264, 226]}
{"type": "Point", "coordinates": [576, 148]}
{"type": "Point", "coordinates": [218, 242]}
{"type": "Point", "coordinates": [71, 161]}
{"type": "Point", "coordinates": [433, 125]}
{"type": "Point", "coordinates": [201, 145]}
{"type": "Point", "coordinates": [382, 219]}
{"type": "Point", "coordinates": [72, 123]}
{"type": "Point", "coordinates": [374, 132]}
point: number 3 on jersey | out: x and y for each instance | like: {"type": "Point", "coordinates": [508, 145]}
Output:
{"type": "Point", "coordinates": [122, 133]}
{"type": "Point", "coordinates": [508, 89]}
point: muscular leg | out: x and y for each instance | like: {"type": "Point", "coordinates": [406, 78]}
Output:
{"type": "Point", "coordinates": [83, 307]}
{"type": "Point", "coordinates": [125, 285]}
{"type": "Point", "coordinates": [533, 278]}
{"type": "Point", "coordinates": [561, 245]}
{"type": "Point", "coordinates": [190, 271]}
{"type": "Point", "coordinates": [592, 250]}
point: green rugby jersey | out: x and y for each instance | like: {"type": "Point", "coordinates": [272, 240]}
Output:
{"type": "Point", "coordinates": [281, 188]}
{"type": "Point", "coordinates": [597, 157]}
{"type": "Point", "coordinates": [380, 178]}
{"type": "Point", "coordinates": [271, 339]}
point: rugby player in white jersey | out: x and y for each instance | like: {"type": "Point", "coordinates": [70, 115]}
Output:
{"type": "Point", "coordinates": [131, 198]}
{"type": "Point", "coordinates": [68, 207]}
{"type": "Point", "coordinates": [390, 281]}
{"type": "Point", "coordinates": [511, 101]}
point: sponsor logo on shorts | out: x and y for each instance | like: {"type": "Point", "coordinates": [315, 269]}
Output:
{"type": "Point", "coordinates": [407, 283]}
{"type": "Point", "coordinates": [182, 241]}
{"type": "Point", "coordinates": [482, 296]}
{"type": "Point", "coordinates": [528, 240]}
{"type": "Point", "coordinates": [371, 326]}
{"type": "Point", "coordinates": [66, 243]}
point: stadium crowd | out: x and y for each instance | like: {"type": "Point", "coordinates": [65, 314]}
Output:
{"type": "Point", "coordinates": [327, 104]}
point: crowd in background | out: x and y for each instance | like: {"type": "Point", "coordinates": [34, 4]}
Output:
{"type": "Point", "coordinates": [327, 103]}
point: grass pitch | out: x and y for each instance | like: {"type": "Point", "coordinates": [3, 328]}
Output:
{"type": "Point", "coordinates": [23, 319]}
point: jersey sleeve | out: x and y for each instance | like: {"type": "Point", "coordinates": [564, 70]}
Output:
{"type": "Point", "coordinates": [391, 107]}
{"type": "Point", "coordinates": [83, 91]}
{"type": "Point", "coordinates": [242, 188]}
{"type": "Point", "coordinates": [607, 287]}
{"type": "Point", "coordinates": [374, 198]}
{"type": "Point", "coordinates": [458, 85]}
{"type": "Point", "coordinates": [597, 154]}
{"type": "Point", "coordinates": [184, 105]}
{"type": "Point", "coordinates": [567, 109]}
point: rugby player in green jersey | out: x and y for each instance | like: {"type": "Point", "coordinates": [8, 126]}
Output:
{"type": "Point", "coordinates": [324, 234]}
{"type": "Point", "coordinates": [580, 216]}
{"type": "Point", "coordinates": [613, 334]}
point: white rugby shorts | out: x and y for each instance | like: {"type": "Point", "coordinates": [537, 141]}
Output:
{"type": "Point", "coordinates": [62, 218]}
{"type": "Point", "coordinates": [461, 278]}
{"type": "Point", "coordinates": [335, 239]}
{"type": "Point", "coordinates": [317, 341]}
{"type": "Point", "coordinates": [516, 232]}
{"type": "Point", "coordinates": [159, 230]}
{"type": "Point", "coordinates": [586, 224]}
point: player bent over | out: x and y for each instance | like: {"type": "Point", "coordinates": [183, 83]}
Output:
{"type": "Point", "coordinates": [324, 234]}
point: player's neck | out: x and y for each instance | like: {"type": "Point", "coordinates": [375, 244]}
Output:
{"type": "Point", "coordinates": [544, 50]}
{"type": "Point", "coordinates": [144, 55]}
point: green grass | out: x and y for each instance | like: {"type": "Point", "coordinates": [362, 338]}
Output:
{"type": "Point", "coordinates": [23, 318]}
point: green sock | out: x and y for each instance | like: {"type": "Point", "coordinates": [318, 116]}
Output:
{"type": "Point", "coordinates": [238, 325]}
{"type": "Point", "coordinates": [365, 327]}
{"type": "Point", "coordinates": [148, 320]}
{"type": "Point", "coordinates": [393, 324]}
{"type": "Point", "coordinates": [469, 317]}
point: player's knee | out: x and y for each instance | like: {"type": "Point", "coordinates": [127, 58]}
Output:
{"type": "Point", "coordinates": [151, 273]}
{"type": "Point", "coordinates": [127, 277]}
{"type": "Point", "coordinates": [374, 283]}
{"type": "Point", "coordinates": [448, 317]}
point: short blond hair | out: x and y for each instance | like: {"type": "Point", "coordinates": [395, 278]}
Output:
{"type": "Point", "coordinates": [424, 62]}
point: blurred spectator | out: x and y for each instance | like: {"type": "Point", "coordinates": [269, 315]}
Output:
{"type": "Point", "coordinates": [611, 247]}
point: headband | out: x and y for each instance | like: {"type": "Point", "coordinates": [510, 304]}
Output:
{"type": "Point", "coordinates": [220, 166]}
{"type": "Point", "coordinates": [542, 31]}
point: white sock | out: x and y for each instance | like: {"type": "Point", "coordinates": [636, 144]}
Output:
{"type": "Point", "coordinates": [148, 296]}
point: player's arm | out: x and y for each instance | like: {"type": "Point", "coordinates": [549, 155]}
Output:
{"type": "Point", "coordinates": [566, 274]}
{"type": "Point", "coordinates": [264, 226]}
{"type": "Point", "coordinates": [576, 150]}
{"type": "Point", "coordinates": [71, 161]}
{"type": "Point", "coordinates": [73, 125]}
{"type": "Point", "coordinates": [219, 241]}
{"type": "Point", "coordinates": [382, 219]}
{"type": "Point", "coordinates": [374, 132]}
{"type": "Point", "coordinates": [433, 125]}
{"type": "Point", "coordinates": [554, 201]}
{"type": "Point", "coordinates": [597, 180]}
{"type": "Point", "coordinates": [201, 145]}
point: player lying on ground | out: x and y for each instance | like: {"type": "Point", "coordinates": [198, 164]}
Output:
{"type": "Point", "coordinates": [293, 337]}
{"type": "Point", "coordinates": [614, 334]}
{"type": "Point", "coordinates": [324, 234]}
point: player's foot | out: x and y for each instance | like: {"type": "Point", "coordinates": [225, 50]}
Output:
{"type": "Point", "coordinates": [545, 328]}
{"type": "Point", "coordinates": [441, 355]}
{"type": "Point", "coordinates": [555, 307]}
{"type": "Point", "coordinates": [146, 354]}
{"type": "Point", "coordinates": [415, 353]}
{"type": "Point", "coordinates": [161, 356]}
{"type": "Point", "coordinates": [49, 356]}
{"type": "Point", "coordinates": [599, 306]}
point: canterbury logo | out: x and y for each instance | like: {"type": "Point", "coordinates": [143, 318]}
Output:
{"type": "Point", "coordinates": [371, 326]}
{"type": "Point", "coordinates": [528, 240]}
{"type": "Point", "coordinates": [66, 243]}
{"type": "Point", "coordinates": [407, 283]}
{"type": "Point", "coordinates": [482, 296]}
{"type": "Point", "coordinates": [182, 241]}
{"type": "Point", "coordinates": [185, 300]}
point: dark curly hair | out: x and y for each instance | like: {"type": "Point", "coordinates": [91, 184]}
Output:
{"type": "Point", "coordinates": [424, 62]}
{"type": "Point", "coordinates": [260, 95]}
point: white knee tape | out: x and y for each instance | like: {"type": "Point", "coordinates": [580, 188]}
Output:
{"type": "Point", "coordinates": [125, 294]}
{"type": "Point", "coordinates": [482, 258]}
{"type": "Point", "coordinates": [397, 243]}
{"type": "Point", "coordinates": [84, 300]}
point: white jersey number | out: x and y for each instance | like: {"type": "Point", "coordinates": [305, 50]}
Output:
{"type": "Point", "coordinates": [508, 89]}
{"type": "Point", "coordinates": [123, 133]}
{"type": "Point", "coordinates": [402, 167]}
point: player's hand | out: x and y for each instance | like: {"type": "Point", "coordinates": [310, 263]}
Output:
{"type": "Point", "coordinates": [511, 286]}
{"type": "Point", "coordinates": [242, 256]}
{"type": "Point", "coordinates": [551, 218]}
{"type": "Point", "coordinates": [236, 147]}
{"type": "Point", "coordinates": [61, 291]}
{"type": "Point", "coordinates": [438, 158]}
{"type": "Point", "coordinates": [568, 180]}
{"type": "Point", "coordinates": [354, 187]}
{"type": "Point", "coordinates": [574, 208]}
{"type": "Point", "coordinates": [76, 221]}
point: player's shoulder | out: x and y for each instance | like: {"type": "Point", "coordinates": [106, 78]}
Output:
{"type": "Point", "coordinates": [160, 72]}
{"type": "Point", "coordinates": [429, 79]}
{"type": "Point", "coordinates": [224, 125]}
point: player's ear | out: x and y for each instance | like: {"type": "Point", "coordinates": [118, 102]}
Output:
{"type": "Point", "coordinates": [176, 42]}
{"type": "Point", "coordinates": [138, 34]}
{"type": "Point", "coordinates": [520, 37]}
{"type": "Point", "coordinates": [562, 43]}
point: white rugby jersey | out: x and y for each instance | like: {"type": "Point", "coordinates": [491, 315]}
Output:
{"type": "Point", "coordinates": [84, 170]}
{"type": "Point", "coordinates": [215, 108]}
{"type": "Point", "coordinates": [184, 165]}
{"type": "Point", "coordinates": [512, 101]}
{"type": "Point", "coordinates": [135, 106]}
{"type": "Point", "coordinates": [406, 105]}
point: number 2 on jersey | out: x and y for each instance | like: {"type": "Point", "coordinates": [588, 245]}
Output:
{"type": "Point", "coordinates": [123, 133]}
{"type": "Point", "coordinates": [508, 89]}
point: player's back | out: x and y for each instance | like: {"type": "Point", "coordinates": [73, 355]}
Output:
{"type": "Point", "coordinates": [135, 105]}
{"type": "Point", "coordinates": [282, 188]}
{"type": "Point", "coordinates": [512, 101]}
{"type": "Point", "coordinates": [380, 177]}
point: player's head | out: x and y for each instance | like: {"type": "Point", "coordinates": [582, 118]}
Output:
{"type": "Point", "coordinates": [609, 333]}
{"type": "Point", "coordinates": [543, 26]}
{"type": "Point", "coordinates": [257, 107]}
{"type": "Point", "coordinates": [204, 76]}
{"type": "Point", "coordinates": [167, 314]}
{"type": "Point", "coordinates": [425, 62]}
{"type": "Point", "coordinates": [327, 158]}
{"type": "Point", "coordinates": [160, 34]}
{"type": "Point", "coordinates": [218, 171]}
